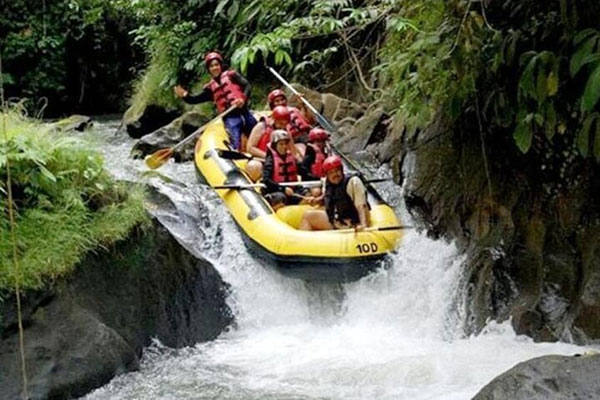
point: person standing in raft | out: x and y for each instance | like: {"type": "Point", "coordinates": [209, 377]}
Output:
{"type": "Point", "coordinates": [346, 203]}
{"type": "Point", "coordinates": [261, 137]}
{"type": "Point", "coordinates": [300, 120]}
{"type": "Point", "coordinates": [226, 88]}
{"type": "Point", "coordinates": [281, 166]}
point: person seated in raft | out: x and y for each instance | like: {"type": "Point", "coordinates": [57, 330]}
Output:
{"type": "Point", "coordinates": [226, 88]}
{"type": "Point", "coordinates": [316, 153]}
{"type": "Point", "coordinates": [300, 120]}
{"type": "Point", "coordinates": [261, 137]}
{"type": "Point", "coordinates": [281, 166]}
{"type": "Point", "coordinates": [312, 163]}
{"type": "Point", "coordinates": [346, 203]}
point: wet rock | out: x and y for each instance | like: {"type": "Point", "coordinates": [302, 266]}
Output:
{"type": "Point", "coordinates": [532, 258]}
{"type": "Point", "coordinates": [362, 133]}
{"type": "Point", "coordinates": [548, 377]}
{"type": "Point", "coordinates": [94, 324]}
{"type": "Point", "coordinates": [392, 132]}
{"type": "Point", "coordinates": [171, 134]}
{"type": "Point", "coordinates": [336, 108]}
{"type": "Point", "coordinates": [312, 96]}
{"type": "Point", "coordinates": [152, 118]}
{"type": "Point", "coordinates": [329, 105]}
{"type": "Point", "coordinates": [73, 123]}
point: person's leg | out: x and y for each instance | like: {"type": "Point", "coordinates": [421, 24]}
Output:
{"type": "Point", "coordinates": [254, 169]}
{"type": "Point", "coordinates": [249, 122]}
{"type": "Point", "coordinates": [233, 125]}
{"type": "Point", "coordinates": [315, 220]}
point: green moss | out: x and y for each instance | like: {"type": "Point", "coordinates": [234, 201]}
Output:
{"type": "Point", "coordinates": [65, 203]}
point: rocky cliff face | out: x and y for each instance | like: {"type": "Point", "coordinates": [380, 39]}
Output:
{"type": "Point", "coordinates": [533, 247]}
{"type": "Point", "coordinates": [530, 229]}
{"type": "Point", "coordinates": [84, 330]}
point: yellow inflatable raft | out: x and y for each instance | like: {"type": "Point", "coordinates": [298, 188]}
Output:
{"type": "Point", "coordinates": [273, 236]}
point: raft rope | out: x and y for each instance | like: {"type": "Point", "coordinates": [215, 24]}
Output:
{"type": "Point", "coordinates": [13, 233]}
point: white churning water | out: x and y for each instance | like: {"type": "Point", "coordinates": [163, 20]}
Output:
{"type": "Point", "coordinates": [396, 334]}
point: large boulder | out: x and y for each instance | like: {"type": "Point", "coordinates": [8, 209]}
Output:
{"type": "Point", "coordinates": [332, 107]}
{"type": "Point", "coordinates": [368, 129]}
{"type": "Point", "coordinates": [93, 325]}
{"type": "Point", "coordinates": [152, 118]}
{"type": "Point", "coordinates": [171, 134]}
{"type": "Point", "coordinates": [548, 377]}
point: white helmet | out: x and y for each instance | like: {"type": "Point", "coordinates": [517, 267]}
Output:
{"type": "Point", "coordinates": [279, 135]}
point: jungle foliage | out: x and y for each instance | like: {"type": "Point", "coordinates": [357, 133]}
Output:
{"type": "Point", "coordinates": [66, 204]}
{"type": "Point", "coordinates": [68, 56]}
{"type": "Point", "coordinates": [531, 70]}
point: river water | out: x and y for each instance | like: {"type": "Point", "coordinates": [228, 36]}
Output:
{"type": "Point", "coordinates": [395, 334]}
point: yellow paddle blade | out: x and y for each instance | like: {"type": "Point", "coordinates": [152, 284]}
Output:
{"type": "Point", "coordinates": [158, 158]}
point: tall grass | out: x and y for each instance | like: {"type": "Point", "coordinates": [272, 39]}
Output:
{"type": "Point", "coordinates": [66, 203]}
{"type": "Point", "coordinates": [151, 88]}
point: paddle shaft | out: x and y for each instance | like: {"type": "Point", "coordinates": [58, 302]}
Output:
{"type": "Point", "coordinates": [237, 155]}
{"type": "Point", "coordinates": [322, 120]}
{"type": "Point", "coordinates": [375, 229]}
{"type": "Point", "coordinates": [288, 184]}
{"type": "Point", "coordinates": [202, 128]}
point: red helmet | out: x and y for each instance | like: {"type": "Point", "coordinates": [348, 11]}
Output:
{"type": "Point", "coordinates": [213, 55]}
{"type": "Point", "coordinates": [331, 162]}
{"type": "Point", "coordinates": [281, 113]}
{"type": "Point", "coordinates": [318, 135]}
{"type": "Point", "coordinates": [273, 95]}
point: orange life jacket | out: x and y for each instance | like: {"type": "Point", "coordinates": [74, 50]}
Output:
{"type": "Point", "coordinates": [225, 92]}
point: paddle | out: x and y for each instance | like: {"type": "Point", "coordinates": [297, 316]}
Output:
{"type": "Point", "coordinates": [236, 155]}
{"type": "Point", "coordinates": [320, 118]}
{"type": "Point", "coordinates": [262, 185]}
{"type": "Point", "coordinates": [161, 156]}
{"type": "Point", "coordinates": [324, 122]}
{"type": "Point", "coordinates": [300, 183]}
{"type": "Point", "coordinates": [373, 229]}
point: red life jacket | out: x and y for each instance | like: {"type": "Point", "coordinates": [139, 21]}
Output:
{"type": "Point", "coordinates": [265, 139]}
{"type": "Point", "coordinates": [316, 169]}
{"type": "Point", "coordinates": [298, 124]}
{"type": "Point", "coordinates": [225, 92]}
{"type": "Point", "coordinates": [284, 170]}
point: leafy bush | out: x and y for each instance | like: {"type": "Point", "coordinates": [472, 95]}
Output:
{"type": "Point", "coordinates": [65, 202]}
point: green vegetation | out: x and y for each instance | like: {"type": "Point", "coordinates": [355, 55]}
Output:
{"type": "Point", "coordinates": [65, 202]}
{"type": "Point", "coordinates": [529, 71]}
{"type": "Point", "coordinates": [68, 55]}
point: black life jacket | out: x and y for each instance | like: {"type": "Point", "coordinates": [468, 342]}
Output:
{"type": "Point", "coordinates": [338, 204]}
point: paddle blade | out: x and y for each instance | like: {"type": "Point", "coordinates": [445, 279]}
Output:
{"type": "Point", "coordinates": [233, 155]}
{"type": "Point", "coordinates": [158, 158]}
